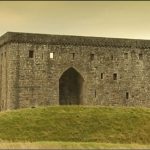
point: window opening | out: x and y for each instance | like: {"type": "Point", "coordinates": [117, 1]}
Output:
{"type": "Point", "coordinates": [115, 76]}
{"type": "Point", "coordinates": [2, 55]}
{"type": "Point", "coordinates": [126, 55]}
{"type": "Point", "coordinates": [91, 57]}
{"type": "Point", "coordinates": [102, 75]}
{"type": "Point", "coordinates": [95, 93]}
{"type": "Point", "coordinates": [42, 56]}
{"type": "Point", "coordinates": [51, 55]}
{"type": "Point", "coordinates": [140, 56]}
{"type": "Point", "coordinates": [31, 52]}
{"type": "Point", "coordinates": [127, 95]}
{"type": "Point", "coordinates": [112, 57]}
{"type": "Point", "coordinates": [73, 56]}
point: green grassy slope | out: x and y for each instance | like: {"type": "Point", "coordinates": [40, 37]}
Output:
{"type": "Point", "coordinates": [77, 123]}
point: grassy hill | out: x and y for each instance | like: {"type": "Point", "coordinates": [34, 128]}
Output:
{"type": "Point", "coordinates": [77, 123]}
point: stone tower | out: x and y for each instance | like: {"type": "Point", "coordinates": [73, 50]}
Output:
{"type": "Point", "coordinates": [41, 69]}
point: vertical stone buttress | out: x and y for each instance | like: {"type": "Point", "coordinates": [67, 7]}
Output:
{"type": "Point", "coordinates": [3, 79]}
{"type": "Point", "coordinates": [5, 70]}
{"type": "Point", "coordinates": [13, 76]}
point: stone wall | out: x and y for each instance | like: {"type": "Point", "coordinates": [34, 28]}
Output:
{"type": "Point", "coordinates": [112, 75]}
{"type": "Point", "coordinates": [3, 79]}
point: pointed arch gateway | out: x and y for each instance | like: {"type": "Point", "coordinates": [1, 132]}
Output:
{"type": "Point", "coordinates": [71, 87]}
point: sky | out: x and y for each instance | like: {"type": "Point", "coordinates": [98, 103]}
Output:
{"type": "Point", "coordinates": [119, 19]}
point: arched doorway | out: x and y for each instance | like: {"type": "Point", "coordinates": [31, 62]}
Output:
{"type": "Point", "coordinates": [70, 88]}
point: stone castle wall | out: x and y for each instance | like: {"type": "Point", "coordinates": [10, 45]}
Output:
{"type": "Point", "coordinates": [113, 72]}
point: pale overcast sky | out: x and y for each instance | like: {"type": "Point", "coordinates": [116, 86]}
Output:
{"type": "Point", "coordinates": [98, 18]}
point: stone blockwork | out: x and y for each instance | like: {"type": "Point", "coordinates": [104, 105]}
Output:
{"type": "Point", "coordinates": [39, 69]}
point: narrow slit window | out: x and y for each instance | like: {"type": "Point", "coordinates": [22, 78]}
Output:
{"type": "Point", "coordinates": [140, 56]}
{"type": "Point", "coordinates": [102, 75]}
{"type": "Point", "coordinates": [51, 55]}
{"type": "Point", "coordinates": [31, 53]}
{"type": "Point", "coordinates": [127, 95]}
{"type": "Point", "coordinates": [95, 93]}
{"type": "Point", "coordinates": [42, 56]}
{"type": "Point", "coordinates": [115, 76]}
{"type": "Point", "coordinates": [112, 57]}
{"type": "Point", "coordinates": [73, 56]}
{"type": "Point", "coordinates": [126, 55]}
{"type": "Point", "coordinates": [91, 57]}
{"type": "Point", "coordinates": [2, 55]}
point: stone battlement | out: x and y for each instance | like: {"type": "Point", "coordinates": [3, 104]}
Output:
{"type": "Point", "coordinates": [72, 40]}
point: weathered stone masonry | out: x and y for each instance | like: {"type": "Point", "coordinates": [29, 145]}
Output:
{"type": "Point", "coordinates": [40, 69]}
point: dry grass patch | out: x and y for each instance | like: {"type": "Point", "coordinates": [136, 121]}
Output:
{"type": "Point", "coordinates": [69, 145]}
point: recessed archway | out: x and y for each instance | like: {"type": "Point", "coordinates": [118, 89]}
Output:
{"type": "Point", "coordinates": [71, 88]}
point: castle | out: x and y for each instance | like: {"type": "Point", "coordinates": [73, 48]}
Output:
{"type": "Point", "coordinates": [43, 69]}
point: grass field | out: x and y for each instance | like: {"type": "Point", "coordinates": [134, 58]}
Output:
{"type": "Point", "coordinates": [76, 124]}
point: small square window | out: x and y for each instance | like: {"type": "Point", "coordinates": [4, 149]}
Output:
{"type": "Point", "coordinates": [91, 57]}
{"type": "Point", "coordinates": [51, 55]}
{"type": "Point", "coordinates": [115, 76]}
{"type": "Point", "coordinates": [140, 56]}
{"type": "Point", "coordinates": [31, 53]}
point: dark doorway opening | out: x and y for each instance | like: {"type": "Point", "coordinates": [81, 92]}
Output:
{"type": "Point", "coordinates": [70, 88]}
